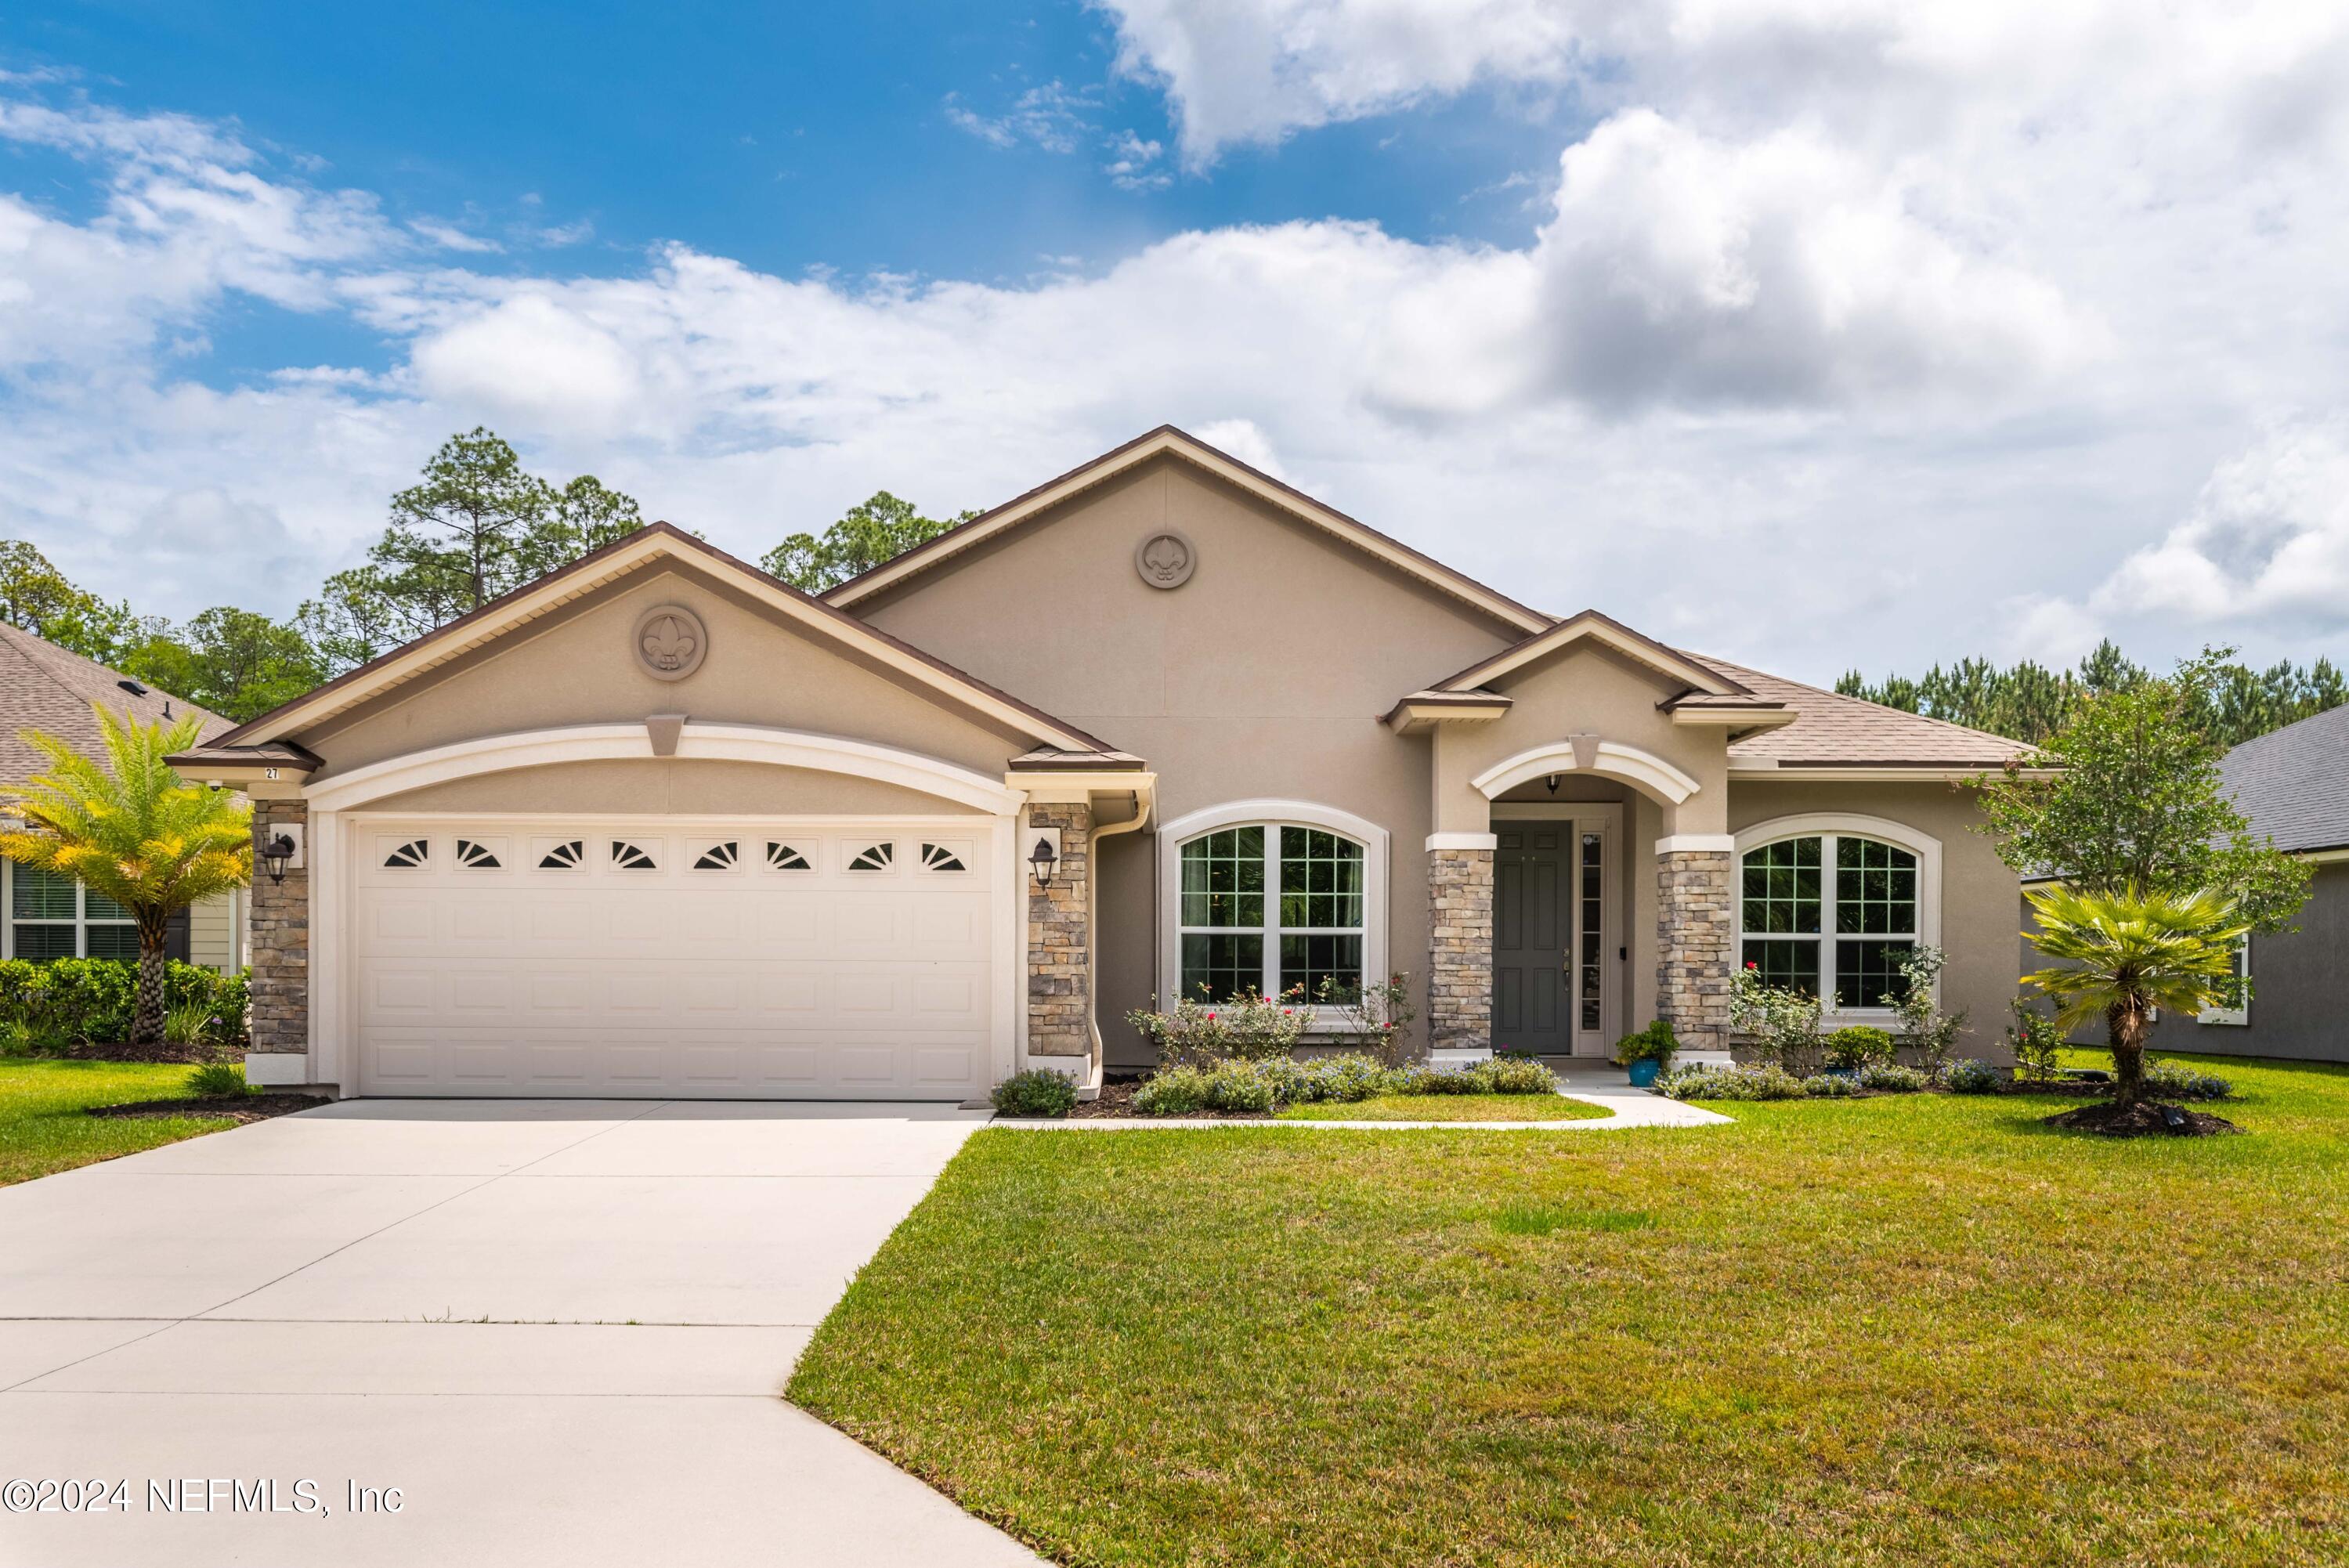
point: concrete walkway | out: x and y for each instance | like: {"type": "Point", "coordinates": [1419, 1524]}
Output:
{"type": "Point", "coordinates": [560, 1329]}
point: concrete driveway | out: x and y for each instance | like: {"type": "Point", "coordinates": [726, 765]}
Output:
{"type": "Point", "coordinates": [559, 1329]}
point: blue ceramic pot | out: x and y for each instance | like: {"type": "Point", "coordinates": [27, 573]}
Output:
{"type": "Point", "coordinates": [1644, 1072]}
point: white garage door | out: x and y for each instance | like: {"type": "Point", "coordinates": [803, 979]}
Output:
{"type": "Point", "coordinates": [659, 958]}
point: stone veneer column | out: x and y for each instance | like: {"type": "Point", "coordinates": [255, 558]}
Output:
{"type": "Point", "coordinates": [1460, 948]}
{"type": "Point", "coordinates": [1060, 982]}
{"type": "Point", "coordinates": [280, 916]}
{"type": "Point", "coordinates": [1694, 908]}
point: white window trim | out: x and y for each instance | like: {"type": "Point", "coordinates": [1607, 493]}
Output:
{"type": "Point", "coordinates": [2232, 1017]}
{"type": "Point", "coordinates": [1173, 835]}
{"type": "Point", "coordinates": [1845, 824]}
{"type": "Point", "coordinates": [80, 923]}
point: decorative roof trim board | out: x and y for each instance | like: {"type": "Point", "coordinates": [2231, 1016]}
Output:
{"type": "Point", "coordinates": [1168, 440]}
{"type": "Point", "coordinates": [1766, 769]}
{"type": "Point", "coordinates": [1422, 711]}
{"type": "Point", "coordinates": [1747, 718]}
{"type": "Point", "coordinates": [1699, 677]}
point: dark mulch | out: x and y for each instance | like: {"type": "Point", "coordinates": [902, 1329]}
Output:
{"type": "Point", "coordinates": [2142, 1119]}
{"type": "Point", "coordinates": [239, 1108]}
{"type": "Point", "coordinates": [119, 1051]}
{"type": "Point", "coordinates": [1117, 1100]}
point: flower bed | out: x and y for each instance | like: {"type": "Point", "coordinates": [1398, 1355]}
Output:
{"type": "Point", "coordinates": [1243, 1089]}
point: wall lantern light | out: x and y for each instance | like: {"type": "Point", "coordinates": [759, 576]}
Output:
{"type": "Point", "coordinates": [277, 853]}
{"type": "Point", "coordinates": [1042, 860]}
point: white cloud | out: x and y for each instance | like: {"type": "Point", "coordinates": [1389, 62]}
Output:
{"type": "Point", "coordinates": [1830, 380]}
{"type": "Point", "coordinates": [1255, 70]}
{"type": "Point", "coordinates": [1242, 71]}
{"type": "Point", "coordinates": [2266, 542]}
{"type": "Point", "coordinates": [1049, 117]}
{"type": "Point", "coordinates": [450, 238]}
{"type": "Point", "coordinates": [1771, 272]}
{"type": "Point", "coordinates": [532, 360]}
{"type": "Point", "coordinates": [1133, 163]}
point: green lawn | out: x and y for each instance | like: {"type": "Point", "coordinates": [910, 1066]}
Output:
{"type": "Point", "coordinates": [1915, 1330]}
{"type": "Point", "coordinates": [43, 1129]}
{"type": "Point", "coordinates": [1452, 1108]}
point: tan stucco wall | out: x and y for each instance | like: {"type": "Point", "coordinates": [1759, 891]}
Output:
{"type": "Point", "coordinates": [1592, 690]}
{"type": "Point", "coordinates": [621, 786]}
{"type": "Point", "coordinates": [1263, 676]}
{"type": "Point", "coordinates": [1979, 896]}
{"type": "Point", "coordinates": [577, 667]}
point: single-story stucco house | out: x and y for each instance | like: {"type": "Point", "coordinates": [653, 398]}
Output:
{"type": "Point", "coordinates": [659, 824]}
{"type": "Point", "coordinates": [45, 688]}
{"type": "Point", "coordinates": [2293, 786]}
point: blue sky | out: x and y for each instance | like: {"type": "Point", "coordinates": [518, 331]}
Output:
{"type": "Point", "coordinates": [806, 137]}
{"type": "Point", "coordinates": [1988, 331]}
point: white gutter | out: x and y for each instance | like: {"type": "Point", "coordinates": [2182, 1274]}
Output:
{"type": "Point", "coordinates": [1100, 1064]}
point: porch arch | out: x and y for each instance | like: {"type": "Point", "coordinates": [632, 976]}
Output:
{"type": "Point", "coordinates": [1643, 770]}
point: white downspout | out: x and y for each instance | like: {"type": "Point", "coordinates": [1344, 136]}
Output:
{"type": "Point", "coordinates": [1092, 938]}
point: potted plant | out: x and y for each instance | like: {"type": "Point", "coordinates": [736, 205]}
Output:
{"type": "Point", "coordinates": [1648, 1053]}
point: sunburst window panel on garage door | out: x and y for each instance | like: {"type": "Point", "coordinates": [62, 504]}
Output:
{"type": "Point", "coordinates": [638, 974]}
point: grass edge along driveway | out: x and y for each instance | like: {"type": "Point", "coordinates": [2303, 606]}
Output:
{"type": "Point", "coordinates": [43, 1129]}
{"type": "Point", "coordinates": [1906, 1330]}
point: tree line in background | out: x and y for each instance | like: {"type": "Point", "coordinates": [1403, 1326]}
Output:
{"type": "Point", "coordinates": [477, 525]}
{"type": "Point", "coordinates": [2230, 702]}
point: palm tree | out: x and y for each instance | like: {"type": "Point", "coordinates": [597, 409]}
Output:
{"type": "Point", "coordinates": [135, 831]}
{"type": "Point", "coordinates": [2120, 955]}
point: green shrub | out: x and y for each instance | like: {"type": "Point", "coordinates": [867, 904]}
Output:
{"type": "Point", "coordinates": [1656, 1043]}
{"type": "Point", "coordinates": [1858, 1046]}
{"type": "Point", "coordinates": [1967, 1076]}
{"type": "Point", "coordinates": [1500, 1075]}
{"type": "Point", "coordinates": [1038, 1091]}
{"type": "Point", "coordinates": [1325, 1079]}
{"type": "Point", "coordinates": [218, 1080]}
{"type": "Point", "coordinates": [1248, 1028]}
{"type": "Point", "coordinates": [2035, 1041]}
{"type": "Point", "coordinates": [1171, 1091]}
{"type": "Point", "coordinates": [2175, 1081]}
{"type": "Point", "coordinates": [1186, 1091]}
{"type": "Point", "coordinates": [1511, 1074]}
{"type": "Point", "coordinates": [67, 1001]}
{"type": "Point", "coordinates": [1830, 1086]}
{"type": "Point", "coordinates": [188, 1021]}
{"type": "Point", "coordinates": [1238, 1086]}
{"type": "Point", "coordinates": [1782, 1022]}
{"type": "Point", "coordinates": [1762, 1081]}
{"type": "Point", "coordinates": [1893, 1079]}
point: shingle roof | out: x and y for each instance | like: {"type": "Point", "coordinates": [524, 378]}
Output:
{"type": "Point", "coordinates": [42, 686]}
{"type": "Point", "coordinates": [2291, 784]}
{"type": "Point", "coordinates": [1836, 731]}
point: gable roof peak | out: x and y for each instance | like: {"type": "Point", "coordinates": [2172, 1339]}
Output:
{"type": "Point", "coordinates": [654, 542]}
{"type": "Point", "coordinates": [1590, 625]}
{"type": "Point", "coordinates": [1172, 440]}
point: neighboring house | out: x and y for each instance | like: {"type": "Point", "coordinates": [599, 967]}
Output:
{"type": "Point", "coordinates": [659, 824]}
{"type": "Point", "coordinates": [2293, 785]}
{"type": "Point", "coordinates": [45, 688]}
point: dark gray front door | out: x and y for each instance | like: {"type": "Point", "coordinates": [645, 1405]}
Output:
{"type": "Point", "coordinates": [1532, 917]}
